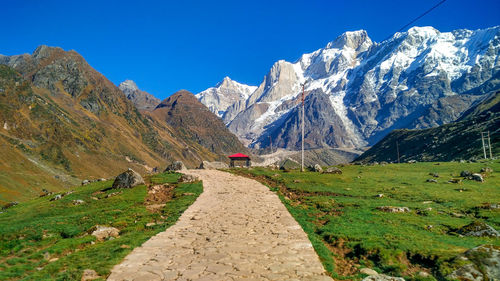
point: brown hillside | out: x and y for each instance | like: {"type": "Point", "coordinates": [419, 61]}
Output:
{"type": "Point", "coordinates": [195, 122]}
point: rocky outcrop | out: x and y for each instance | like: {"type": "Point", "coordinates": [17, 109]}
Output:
{"type": "Point", "coordinates": [382, 277]}
{"type": "Point", "coordinates": [176, 166]}
{"type": "Point", "coordinates": [478, 229]}
{"type": "Point", "coordinates": [142, 100]}
{"type": "Point", "coordinates": [128, 179]}
{"type": "Point", "coordinates": [481, 263]}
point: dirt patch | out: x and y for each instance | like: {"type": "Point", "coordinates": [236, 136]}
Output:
{"type": "Point", "coordinates": [158, 195]}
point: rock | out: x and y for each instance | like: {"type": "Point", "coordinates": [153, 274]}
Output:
{"type": "Point", "coordinates": [368, 271]}
{"type": "Point", "coordinates": [483, 264]}
{"type": "Point", "coordinates": [128, 179]}
{"type": "Point", "coordinates": [85, 182]}
{"type": "Point", "coordinates": [465, 174]}
{"type": "Point", "coordinates": [105, 232]}
{"type": "Point", "coordinates": [176, 166]}
{"type": "Point", "coordinates": [78, 202]}
{"type": "Point", "coordinates": [478, 229]}
{"type": "Point", "coordinates": [391, 209]}
{"type": "Point", "coordinates": [10, 204]}
{"type": "Point", "coordinates": [89, 274]}
{"type": "Point", "coordinates": [213, 165]}
{"type": "Point", "coordinates": [113, 194]}
{"type": "Point", "coordinates": [382, 277]}
{"type": "Point", "coordinates": [412, 161]}
{"type": "Point", "coordinates": [436, 175]}
{"type": "Point", "coordinates": [46, 256]}
{"type": "Point", "coordinates": [188, 178]}
{"type": "Point", "coordinates": [379, 195]}
{"type": "Point", "coordinates": [431, 180]}
{"type": "Point", "coordinates": [455, 181]}
{"type": "Point", "coordinates": [333, 170]}
{"type": "Point", "coordinates": [317, 168]}
{"type": "Point", "coordinates": [101, 179]}
{"type": "Point", "coordinates": [57, 197]}
{"type": "Point", "coordinates": [486, 170]}
{"type": "Point", "coordinates": [477, 177]}
{"type": "Point", "coordinates": [423, 274]}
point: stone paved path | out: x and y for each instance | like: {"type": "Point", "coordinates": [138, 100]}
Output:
{"type": "Point", "coordinates": [236, 230]}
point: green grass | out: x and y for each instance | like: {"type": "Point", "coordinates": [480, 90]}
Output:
{"type": "Point", "coordinates": [59, 229]}
{"type": "Point", "coordinates": [339, 212]}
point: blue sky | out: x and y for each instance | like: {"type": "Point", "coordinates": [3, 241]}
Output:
{"type": "Point", "coordinates": [166, 46]}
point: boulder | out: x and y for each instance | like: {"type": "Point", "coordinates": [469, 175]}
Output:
{"type": "Point", "coordinates": [482, 263]}
{"type": "Point", "coordinates": [412, 161]}
{"type": "Point", "coordinates": [368, 271]}
{"type": "Point", "coordinates": [57, 197]}
{"type": "Point", "coordinates": [105, 232]}
{"type": "Point", "coordinates": [85, 182]}
{"type": "Point", "coordinates": [333, 170]}
{"type": "Point", "coordinates": [89, 274]}
{"type": "Point", "coordinates": [486, 170]}
{"type": "Point", "coordinates": [128, 179]}
{"type": "Point", "coordinates": [176, 166]}
{"type": "Point", "coordinates": [213, 165]}
{"type": "Point", "coordinates": [382, 277]}
{"type": "Point", "coordinates": [478, 229]}
{"type": "Point", "coordinates": [391, 209]}
{"type": "Point", "coordinates": [78, 202]}
{"type": "Point", "coordinates": [188, 178]}
{"type": "Point", "coordinates": [431, 180]}
{"type": "Point", "coordinates": [477, 177]}
{"type": "Point", "coordinates": [317, 168]}
{"type": "Point", "coordinates": [465, 174]}
{"type": "Point", "coordinates": [436, 175]}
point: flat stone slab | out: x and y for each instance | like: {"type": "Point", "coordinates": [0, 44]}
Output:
{"type": "Point", "coordinates": [236, 229]}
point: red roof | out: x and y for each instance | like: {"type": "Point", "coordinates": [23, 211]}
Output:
{"type": "Point", "coordinates": [239, 155]}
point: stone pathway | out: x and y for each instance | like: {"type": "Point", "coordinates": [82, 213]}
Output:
{"type": "Point", "coordinates": [236, 230]}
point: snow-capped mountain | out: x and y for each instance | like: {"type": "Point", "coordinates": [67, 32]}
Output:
{"type": "Point", "coordinates": [360, 90]}
{"type": "Point", "coordinates": [224, 94]}
{"type": "Point", "coordinates": [142, 100]}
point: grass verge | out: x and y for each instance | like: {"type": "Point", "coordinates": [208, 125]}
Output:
{"type": "Point", "coordinates": [339, 213]}
{"type": "Point", "coordinates": [49, 240]}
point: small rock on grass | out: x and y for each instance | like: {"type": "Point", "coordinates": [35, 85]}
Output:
{"type": "Point", "coordinates": [382, 277]}
{"type": "Point", "coordinates": [391, 209]}
{"type": "Point", "coordinates": [89, 274]}
{"type": "Point", "coordinates": [104, 232]}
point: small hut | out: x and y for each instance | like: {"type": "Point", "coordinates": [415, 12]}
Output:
{"type": "Point", "coordinates": [239, 157]}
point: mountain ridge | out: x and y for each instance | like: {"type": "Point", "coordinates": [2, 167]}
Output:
{"type": "Point", "coordinates": [407, 81]}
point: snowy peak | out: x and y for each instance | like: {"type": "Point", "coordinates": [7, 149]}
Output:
{"type": "Point", "coordinates": [415, 79]}
{"type": "Point", "coordinates": [356, 40]}
{"type": "Point", "coordinates": [128, 85]}
{"type": "Point", "coordinates": [225, 94]}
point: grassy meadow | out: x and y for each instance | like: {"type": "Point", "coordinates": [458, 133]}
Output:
{"type": "Point", "coordinates": [49, 240]}
{"type": "Point", "coordinates": [340, 215]}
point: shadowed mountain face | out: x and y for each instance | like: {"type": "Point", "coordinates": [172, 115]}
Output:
{"type": "Point", "coordinates": [455, 141]}
{"type": "Point", "coordinates": [61, 121]}
{"type": "Point", "coordinates": [196, 123]}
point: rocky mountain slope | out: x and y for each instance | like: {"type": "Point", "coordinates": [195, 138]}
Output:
{"type": "Point", "coordinates": [61, 121]}
{"type": "Point", "coordinates": [196, 123]}
{"type": "Point", "coordinates": [459, 140]}
{"type": "Point", "coordinates": [416, 79]}
{"type": "Point", "coordinates": [142, 100]}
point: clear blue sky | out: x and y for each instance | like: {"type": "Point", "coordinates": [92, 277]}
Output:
{"type": "Point", "coordinates": [170, 45]}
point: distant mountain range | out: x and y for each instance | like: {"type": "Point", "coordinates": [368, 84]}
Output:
{"type": "Point", "coordinates": [360, 90]}
{"type": "Point", "coordinates": [61, 121]}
